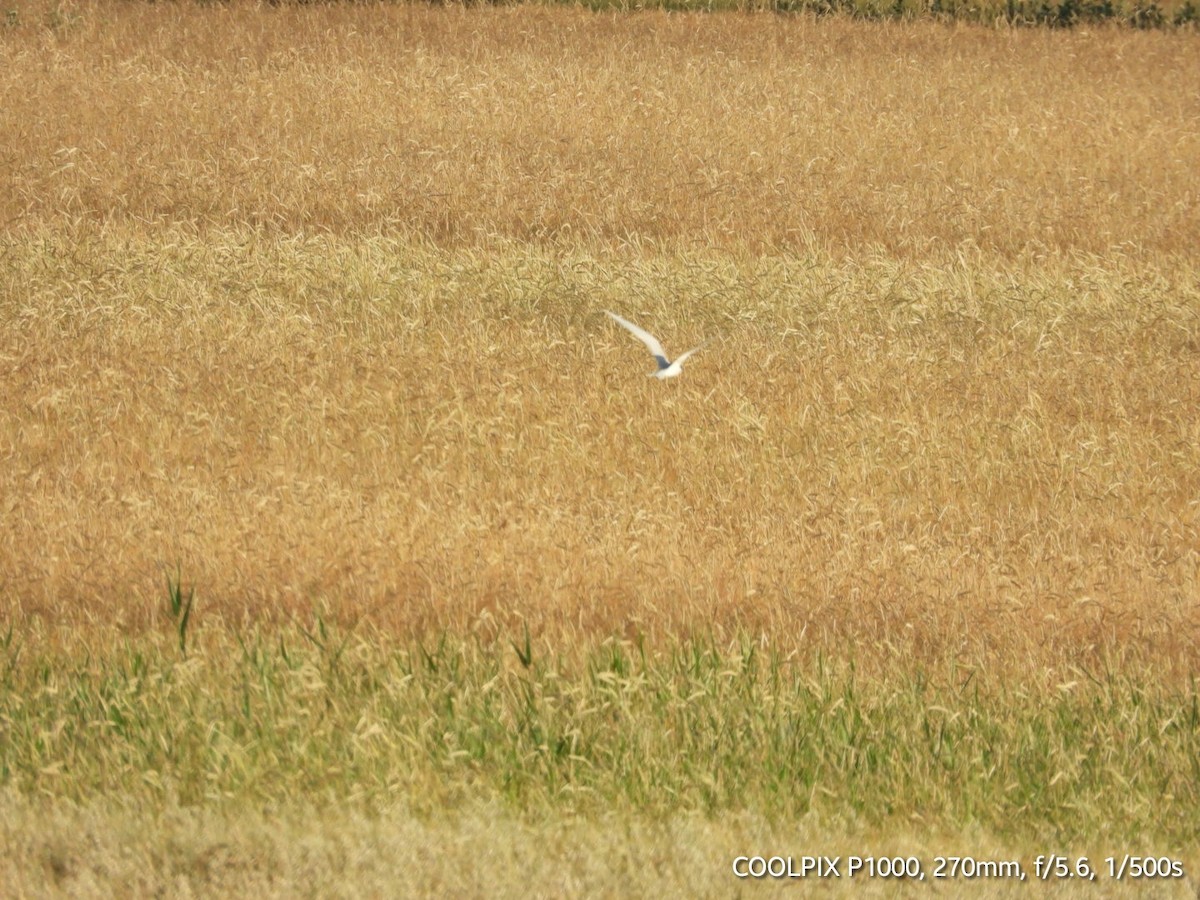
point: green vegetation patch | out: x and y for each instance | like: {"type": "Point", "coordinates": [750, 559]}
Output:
{"type": "Point", "coordinates": [691, 728]}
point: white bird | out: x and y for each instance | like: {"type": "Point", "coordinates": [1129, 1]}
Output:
{"type": "Point", "coordinates": [666, 368]}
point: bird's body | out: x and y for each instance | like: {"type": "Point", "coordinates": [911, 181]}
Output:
{"type": "Point", "coordinates": [666, 368]}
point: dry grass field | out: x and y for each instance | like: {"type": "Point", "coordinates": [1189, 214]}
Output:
{"type": "Point", "coordinates": [641, 131]}
{"type": "Point", "coordinates": [928, 460]}
{"type": "Point", "coordinates": [301, 310]}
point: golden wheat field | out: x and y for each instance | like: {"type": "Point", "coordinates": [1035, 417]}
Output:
{"type": "Point", "coordinates": [939, 460]}
{"type": "Point", "coordinates": [302, 314]}
{"type": "Point", "coordinates": [308, 302]}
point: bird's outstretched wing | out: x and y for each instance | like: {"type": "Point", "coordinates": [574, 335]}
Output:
{"type": "Point", "coordinates": [683, 356]}
{"type": "Point", "coordinates": [645, 337]}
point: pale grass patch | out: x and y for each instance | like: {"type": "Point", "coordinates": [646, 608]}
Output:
{"type": "Point", "coordinates": [96, 850]}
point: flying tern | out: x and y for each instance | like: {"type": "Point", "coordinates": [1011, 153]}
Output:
{"type": "Point", "coordinates": [666, 368]}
